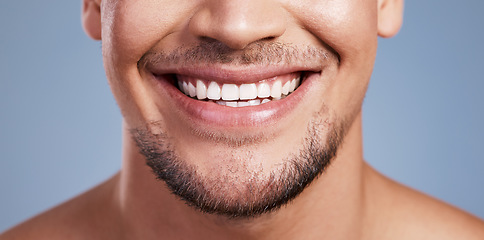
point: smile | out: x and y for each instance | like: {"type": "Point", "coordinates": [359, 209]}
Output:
{"type": "Point", "coordinates": [243, 95]}
{"type": "Point", "coordinates": [221, 99]}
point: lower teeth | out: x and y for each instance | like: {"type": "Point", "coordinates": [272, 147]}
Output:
{"type": "Point", "coordinates": [254, 102]}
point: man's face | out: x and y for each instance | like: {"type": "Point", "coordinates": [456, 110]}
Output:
{"type": "Point", "coordinates": [297, 70]}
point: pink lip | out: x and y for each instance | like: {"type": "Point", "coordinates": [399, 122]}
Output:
{"type": "Point", "coordinates": [210, 114]}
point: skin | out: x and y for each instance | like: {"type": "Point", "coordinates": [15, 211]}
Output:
{"type": "Point", "coordinates": [349, 200]}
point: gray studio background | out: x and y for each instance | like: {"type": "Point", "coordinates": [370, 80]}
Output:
{"type": "Point", "coordinates": [60, 127]}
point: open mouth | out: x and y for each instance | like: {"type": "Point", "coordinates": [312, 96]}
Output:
{"type": "Point", "coordinates": [218, 98]}
{"type": "Point", "coordinates": [239, 95]}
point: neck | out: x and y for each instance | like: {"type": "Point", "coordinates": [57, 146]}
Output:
{"type": "Point", "coordinates": [331, 207]}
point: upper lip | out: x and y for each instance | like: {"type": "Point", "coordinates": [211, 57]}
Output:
{"type": "Point", "coordinates": [231, 74]}
{"type": "Point", "coordinates": [212, 61]}
{"type": "Point", "coordinates": [224, 117]}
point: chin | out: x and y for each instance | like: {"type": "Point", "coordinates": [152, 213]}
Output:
{"type": "Point", "coordinates": [241, 181]}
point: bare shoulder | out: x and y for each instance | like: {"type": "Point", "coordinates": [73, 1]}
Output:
{"type": "Point", "coordinates": [404, 213]}
{"type": "Point", "coordinates": [78, 218]}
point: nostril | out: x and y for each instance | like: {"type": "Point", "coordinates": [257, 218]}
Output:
{"type": "Point", "coordinates": [271, 38]}
{"type": "Point", "coordinates": [207, 39]}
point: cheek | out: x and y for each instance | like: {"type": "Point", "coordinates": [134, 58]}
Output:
{"type": "Point", "coordinates": [131, 28]}
{"type": "Point", "coordinates": [349, 27]}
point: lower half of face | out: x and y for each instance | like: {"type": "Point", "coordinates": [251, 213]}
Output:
{"type": "Point", "coordinates": [238, 120]}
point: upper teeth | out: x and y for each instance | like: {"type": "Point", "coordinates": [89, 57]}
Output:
{"type": "Point", "coordinates": [233, 92]}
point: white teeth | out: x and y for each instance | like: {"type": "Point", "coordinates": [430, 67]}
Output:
{"type": "Point", "coordinates": [276, 89]}
{"type": "Point", "coordinates": [263, 90]}
{"type": "Point", "coordinates": [242, 104]}
{"type": "Point", "coordinates": [184, 86]}
{"type": "Point", "coordinates": [265, 101]}
{"type": "Point", "coordinates": [292, 86]}
{"type": "Point", "coordinates": [213, 91]}
{"type": "Point", "coordinates": [230, 92]}
{"type": "Point", "coordinates": [192, 91]}
{"type": "Point", "coordinates": [285, 88]}
{"type": "Point", "coordinates": [254, 102]}
{"type": "Point", "coordinates": [201, 90]}
{"type": "Point", "coordinates": [231, 104]}
{"type": "Point", "coordinates": [247, 91]}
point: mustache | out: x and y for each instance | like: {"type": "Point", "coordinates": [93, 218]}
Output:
{"type": "Point", "coordinates": [258, 53]}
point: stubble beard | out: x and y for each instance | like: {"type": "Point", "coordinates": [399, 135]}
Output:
{"type": "Point", "coordinates": [225, 194]}
{"type": "Point", "coordinates": [248, 191]}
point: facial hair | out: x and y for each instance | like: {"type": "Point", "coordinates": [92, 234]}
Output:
{"type": "Point", "coordinates": [247, 192]}
{"type": "Point", "coordinates": [259, 195]}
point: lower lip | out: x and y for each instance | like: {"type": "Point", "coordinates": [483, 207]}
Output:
{"type": "Point", "coordinates": [215, 115]}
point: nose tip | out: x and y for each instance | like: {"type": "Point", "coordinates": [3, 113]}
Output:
{"type": "Point", "coordinates": [238, 23]}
